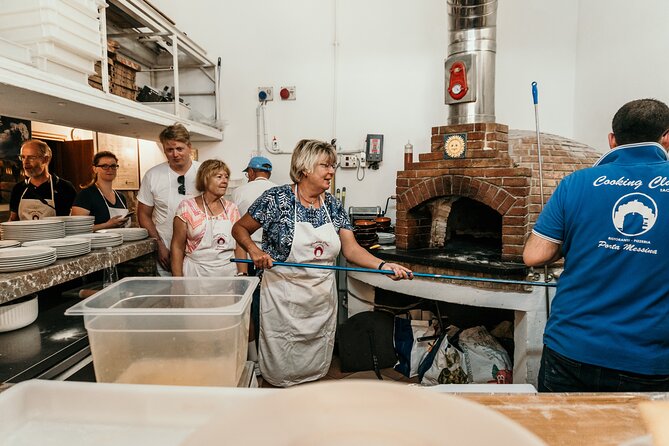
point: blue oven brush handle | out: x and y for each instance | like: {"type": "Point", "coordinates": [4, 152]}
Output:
{"type": "Point", "coordinates": [386, 271]}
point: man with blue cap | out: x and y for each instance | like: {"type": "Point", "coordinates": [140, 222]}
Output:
{"type": "Point", "coordinates": [258, 172]}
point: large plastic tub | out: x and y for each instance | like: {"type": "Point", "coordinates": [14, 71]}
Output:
{"type": "Point", "coordinates": [164, 330]}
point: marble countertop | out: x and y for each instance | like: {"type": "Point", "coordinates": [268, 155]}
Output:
{"type": "Point", "coordinates": [22, 283]}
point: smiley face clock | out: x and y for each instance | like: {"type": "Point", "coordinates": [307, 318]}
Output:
{"type": "Point", "coordinates": [455, 145]}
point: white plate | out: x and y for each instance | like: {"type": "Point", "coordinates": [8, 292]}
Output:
{"type": "Point", "coordinates": [12, 254]}
{"type": "Point", "coordinates": [361, 413]}
{"type": "Point", "coordinates": [128, 234]}
{"type": "Point", "coordinates": [9, 243]}
{"type": "Point", "coordinates": [31, 223]}
{"type": "Point", "coordinates": [73, 218]}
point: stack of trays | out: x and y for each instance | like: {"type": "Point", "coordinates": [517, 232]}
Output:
{"type": "Point", "coordinates": [365, 233]}
{"type": "Point", "coordinates": [76, 224]}
{"type": "Point", "coordinates": [101, 239]}
{"type": "Point", "coordinates": [9, 243]}
{"type": "Point", "coordinates": [24, 258]}
{"type": "Point", "coordinates": [29, 230]}
{"type": "Point", "coordinates": [65, 247]}
{"type": "Point", "coordinates": [128, 234]}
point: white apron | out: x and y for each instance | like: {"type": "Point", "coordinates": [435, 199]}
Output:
{"type": "Point", "coordinates": [113, 212]}
{"type": "Point", "coordinates": [35, 209]}
{"type": "Point", "coordinates": [298, 308]}
{"type": "Point", "coordinates": [212, 256]}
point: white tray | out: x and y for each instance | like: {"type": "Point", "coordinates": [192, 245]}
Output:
{"type": "Point", "coordinates": [55, 413]}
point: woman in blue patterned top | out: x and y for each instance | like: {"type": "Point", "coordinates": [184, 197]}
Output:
{"type": "Point", "coordinates": [301, 223]}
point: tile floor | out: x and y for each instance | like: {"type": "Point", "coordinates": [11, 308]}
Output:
{"type": "Point", "coordinates": [388, 374]}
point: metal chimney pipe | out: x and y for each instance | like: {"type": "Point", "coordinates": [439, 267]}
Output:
{"type": "Point", "coordinates": [470, 67]}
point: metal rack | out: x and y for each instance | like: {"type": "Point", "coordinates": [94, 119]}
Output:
{"type": "Point", "coordinates": [167, 56]}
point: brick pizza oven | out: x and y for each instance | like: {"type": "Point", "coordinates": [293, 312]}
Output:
{"type": "Point", "coordinates": [472, 200]}
{"type": "Point", "coordinates": [488, 196]}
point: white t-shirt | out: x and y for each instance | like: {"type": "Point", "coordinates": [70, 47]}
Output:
{"type": "Point", "coordinates": [159, 189]}
{"type": "Point", "coordinates": [246, 194]}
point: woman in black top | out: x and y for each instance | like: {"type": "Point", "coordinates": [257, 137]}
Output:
{"type": "Point", "coordinates": [98, 198]}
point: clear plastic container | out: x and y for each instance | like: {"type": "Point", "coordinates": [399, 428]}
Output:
{"type": "Point", "coordinates": [169, 330]}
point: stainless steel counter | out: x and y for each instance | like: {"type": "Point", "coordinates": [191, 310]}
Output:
{"type": "Point", "coordinates": [23, 283]}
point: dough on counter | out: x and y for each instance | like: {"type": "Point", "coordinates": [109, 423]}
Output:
{"type": "Point", "coordinates": [360, 413]}
{"type": "Point", "coordinates": [655, 415]}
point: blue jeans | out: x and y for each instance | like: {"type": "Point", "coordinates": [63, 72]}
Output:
{"type": "Point", "coordinates": [561, 374]}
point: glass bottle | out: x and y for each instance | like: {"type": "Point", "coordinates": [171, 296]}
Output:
{"type": "Point", "coordinates": [408, 155]}
{"type": "Point", "coordinates": [110, 273]}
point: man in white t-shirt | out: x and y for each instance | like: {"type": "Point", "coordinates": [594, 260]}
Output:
{"type": "Point", "coordinates": [258, 172]}
{"type": "Point", "coordinates": [162, 189]}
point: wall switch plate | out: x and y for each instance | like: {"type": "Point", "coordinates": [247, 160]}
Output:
{"type": "Point", "coordinates": [265, 94]}
{"type": "Point", "coordinates": [348, 161]}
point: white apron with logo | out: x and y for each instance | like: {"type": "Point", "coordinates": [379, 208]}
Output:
{"type": "Point", "coordinates": [34, 209]}
{"type": "Point", "coordinates": [113, 212]}
{"type": "Point", "coordinates": [298, 308]}
{"type": "Point", "coordinates": [212, 256]}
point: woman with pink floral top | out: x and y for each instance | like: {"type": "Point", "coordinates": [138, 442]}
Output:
{"type": "Point", "coordinates": [202, 243]}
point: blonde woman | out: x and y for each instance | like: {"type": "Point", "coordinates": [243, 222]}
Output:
{"type": "Point", "coordinates": [202, 243]}
{"type": "Point", "coordinates": [302, 223]}
{"type": "Point", "coordinates": [99, 199]}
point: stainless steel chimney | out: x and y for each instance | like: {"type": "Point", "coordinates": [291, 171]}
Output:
{"type": "Point", "coordinates": [470, 67]}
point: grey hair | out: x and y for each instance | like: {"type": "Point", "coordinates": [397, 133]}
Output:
{"type": "Point", "coordinates": [306, 155]}
{"type": "Point", "coordinates": [42, 147]}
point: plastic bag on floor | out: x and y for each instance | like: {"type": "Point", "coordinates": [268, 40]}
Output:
{"type": "Point", "coordinates": [486, 361]}
{"type": "Point", "coordinates": [410, 351]}
{"type": "Point", "coordinates": [443, 364]}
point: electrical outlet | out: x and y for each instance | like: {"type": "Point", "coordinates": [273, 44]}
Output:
{"type": "Point", "coordinates": [362, 159]}
{"type": "Point", "coordinates": [348, 161]}
{"type": "Point", "coordinates": [265, 94]}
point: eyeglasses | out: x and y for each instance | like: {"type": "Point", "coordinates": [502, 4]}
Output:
{"type": "Point", "coordinates": [30, 158]}
{"type": "Point", "coordinates": [328, 166]}
{"type": "Point", "coordinates": [107, 166]}
{"type": "Point", "coordinates": [182, 186]}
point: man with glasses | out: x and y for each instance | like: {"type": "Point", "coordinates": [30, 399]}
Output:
{"type": "Point", "coordinates": [162, 189]}
{"type": "Point", "coordinates": [41, 194]}
{"type": "Point", "coordinates": [608, 330]}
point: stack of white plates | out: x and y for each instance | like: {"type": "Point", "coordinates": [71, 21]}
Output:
{"type": "Point", "coordinates": [24, 258]}
{"type": "Point", "coordinates": [65, 247]}
{"type": "Point", "coordinates": [76, 224]}
{"type": "Point", "coordinates": [9, 243]}
{"type": "Point", "coordinates": [101, 240]}
{"type": "Point", "coordinates": [129, 234]}
{"type": "Point", "coordinates": [29, 230]}
{"type": "Point", "coordinates": [386, 238]}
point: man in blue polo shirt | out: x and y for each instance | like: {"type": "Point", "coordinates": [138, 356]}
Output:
{"type": "Point", "coordinates": [609, 324]}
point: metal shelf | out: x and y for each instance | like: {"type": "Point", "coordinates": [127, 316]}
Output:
{"type": "Point", "coordinates": [153, 41]}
